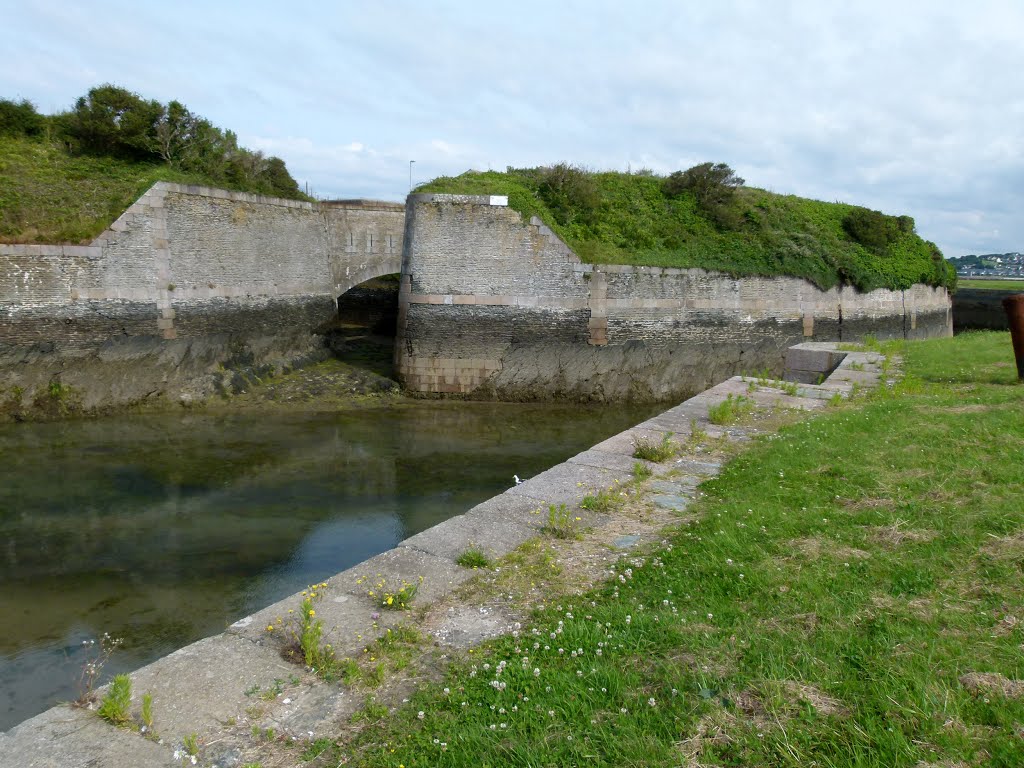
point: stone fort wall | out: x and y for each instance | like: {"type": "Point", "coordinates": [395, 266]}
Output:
{"type": "Point", "coordinates": [492, 306]}
{"type": "Point", "coordinates": [186, 281]}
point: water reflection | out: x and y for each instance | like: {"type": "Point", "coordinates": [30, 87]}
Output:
{"type": "Point", "coordinates": [164, 529]}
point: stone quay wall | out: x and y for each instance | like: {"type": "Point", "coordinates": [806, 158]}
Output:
{"type": "Point", "coordinates": [977, 309]}
{"type": "Point", "coordinates": [492, 306]}
{"type": "Point", "coordinates": [187, 281]}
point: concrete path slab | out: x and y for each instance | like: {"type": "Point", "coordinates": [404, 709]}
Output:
{"type": "Point", "coordinates": [775, 399]}
{"type": "Point", "coordinates": [204, 684]}
{"type": "Point", "coordinates": [63, 737]}
{"type": "Point", "coordinates": [435, 576]}
{"type": "Point", "coordinates": [677, 487]}
{"type": "Point", "coordinates": [679, 423]}
{"type": "Point", "coordinates": [624, 443]}
{"type": "Point", "coordinates": [863, 378]}
{"type": "Point", "coordinates": [673, 502]}
{"type": "Point", "coordinates": [511, 509]}
{"type": "Point", "coordinates": [492, 533]}
{"type": "Point", "coordinates": [312, 709]}
{"type": "Point", "coordinates": [699, 468]}
{"type": "Point", "coordinates": [348, 620]}
{"type": "Point", "coordinates": [608, 460]}
{"type": "Point", "coordinates": [568, 483]}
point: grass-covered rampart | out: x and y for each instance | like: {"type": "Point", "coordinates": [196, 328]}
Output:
{"type": "Point", "coordinates": [640, 218]}
{"type": "Point", "coordinates": [49, 195]}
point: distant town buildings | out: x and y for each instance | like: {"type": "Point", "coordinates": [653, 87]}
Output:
{"type": "Point", "coordinates": [990, 265]}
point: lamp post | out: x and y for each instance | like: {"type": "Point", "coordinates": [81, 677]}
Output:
{"type": "Point", "coordinates": [410, 174]}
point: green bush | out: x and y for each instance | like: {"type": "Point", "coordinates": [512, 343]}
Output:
{"type": "Point", "coordinates": [19, 118]}
{"type": "Point", "coordinates": [713, 186]}
{"type": "Point", "coordinates": [569, 192]}
{"type": "Point", "coordinates": [875, 230]}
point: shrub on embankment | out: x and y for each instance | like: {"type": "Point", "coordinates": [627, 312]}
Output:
{"type": "Point", "coordinates": [704, 217]}
{"type": "Point", "coordinates": [66, 177]}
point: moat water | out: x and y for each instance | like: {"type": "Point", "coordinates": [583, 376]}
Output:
{"type": "Point", "coordinates": [163, 529]}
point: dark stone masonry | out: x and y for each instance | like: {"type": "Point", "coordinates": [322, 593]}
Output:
{"type": "Point", "coordinates": [187, 281]}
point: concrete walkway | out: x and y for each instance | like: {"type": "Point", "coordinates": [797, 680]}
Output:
{"type": "Point", "coordinates": [206, 689]}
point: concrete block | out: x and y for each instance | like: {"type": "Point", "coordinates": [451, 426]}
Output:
{"type": "Point", "coordinates": [569, 483]}
{"type": "Point", "coordinates": [203, 684]}
{"type": "Point", "coordinates": [347, 616]}
{"type": "Point", "coordinates": [801, 358]}
{"type": "Point", "coordinates": [608, 460]}
{"type": "Point", "coordinates": [624, 442]}
{"type": "Point", "coordinates": [490, 529]}
{"type": "Point", "coordinates": [74, 738]}
{"type": "Point", "coordinates": [440, 574]}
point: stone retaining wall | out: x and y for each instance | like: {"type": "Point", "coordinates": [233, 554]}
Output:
{"type": "Point", "coordinates": [980, 309]}
{"type": "Point", "coordinates": [491, 306]}
{"type": "Point", "coordinates": [186, 281]}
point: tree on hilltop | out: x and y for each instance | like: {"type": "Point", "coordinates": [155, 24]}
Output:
{"type": "Point", "coordinates": [713, 186]}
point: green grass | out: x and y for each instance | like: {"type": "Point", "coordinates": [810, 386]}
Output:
{"type": "Point", "coordinates": [846, 588]}
{"type": "Point", "coordinates": [991, 284]}
{"type": "Point", "coordinates": [730, 410]}
{"type": "Point", "coordinates": [473, 558]}
{"type": "Point", "coordinates": [50, 196]}
{"type": "Point", "coordinates": [633, 222]}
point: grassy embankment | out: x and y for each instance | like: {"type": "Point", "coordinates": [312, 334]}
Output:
{"type": "Point", "coordinates": [850, 593]}
{"type": "Point", "coordinates": [621, 218]}
{"type": "Point", "coordinates": [991, 285]}
{"type": "Point", "coordinates": [48, 195]}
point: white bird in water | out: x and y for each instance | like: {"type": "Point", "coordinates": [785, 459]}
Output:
{"type": "Point", "coordinates": [516, 478]}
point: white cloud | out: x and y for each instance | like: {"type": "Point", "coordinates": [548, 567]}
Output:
{"type": "Point", "coordinates": [908, 107]}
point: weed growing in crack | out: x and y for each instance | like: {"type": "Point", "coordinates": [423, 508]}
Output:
{"type": "Point", "coordinates": [604, 500]}
{"type": "Point", "coordinates": [147, 713]}
{"type": "Point", "coordinates": [651, 451]}
{"type": "Point", "coordinates": [115, 702]}
{"type": "Point", "coordinates": [391, 598]}
{"type": "Point", "coordinates": [473, 558]}
{"type": "Point", "coordinates": [730, 410]}
{"type": "Point", "coordinates": [641, 472]}
{"type": "Point", "coordinates": [561, 522]}
{"type": "Point", "coordinates": [99, 654]}
{"type": "Point", "coordinates": [304, 636]}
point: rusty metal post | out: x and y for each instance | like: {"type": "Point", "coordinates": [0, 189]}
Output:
{"type": "Point", "coordinates": [1014, 306]}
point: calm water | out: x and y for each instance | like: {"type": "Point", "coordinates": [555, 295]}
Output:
{"type": "Point", "coordinates": [165, 529]}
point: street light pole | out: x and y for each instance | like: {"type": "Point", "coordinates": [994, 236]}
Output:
{"type": "Point", "coordinates": [410, 174]}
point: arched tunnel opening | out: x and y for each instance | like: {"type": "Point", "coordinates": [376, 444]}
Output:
{"type": "Point", "coordinates": [363, 333]}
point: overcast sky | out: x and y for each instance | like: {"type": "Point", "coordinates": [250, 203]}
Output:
{"type": "Point", "coordinates": [908, 107]}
